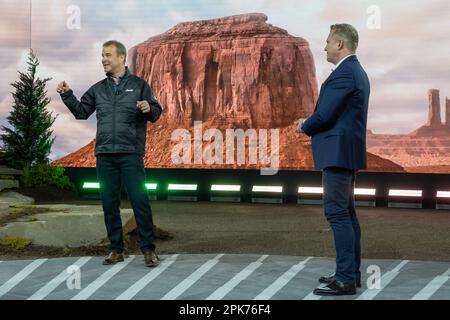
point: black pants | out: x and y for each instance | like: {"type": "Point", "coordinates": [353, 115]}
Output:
{"type": "Point", "coordinates": [112, 171]}
{"type": "Point", "coordinates": [339, 205]}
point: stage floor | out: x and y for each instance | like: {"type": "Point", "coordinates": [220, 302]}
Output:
{"type": "Point", "coordinates": [214, 276]}
{"type": "Point", "coordinates": [284, 230]}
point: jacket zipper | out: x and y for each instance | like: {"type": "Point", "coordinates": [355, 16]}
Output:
{"type": "Point", "coordinates": [114, 121]}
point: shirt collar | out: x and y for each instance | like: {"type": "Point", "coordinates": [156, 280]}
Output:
{"type": "Point", "coordinates": [342, 60]}
{"type": "Point", "coordinates": [121, 76]}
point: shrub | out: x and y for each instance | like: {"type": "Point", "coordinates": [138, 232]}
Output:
{"type": "Point", "coordinates": [47, 175]}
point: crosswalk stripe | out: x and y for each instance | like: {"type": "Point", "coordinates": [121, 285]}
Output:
{"type": "Point", "coordinates": [145, 280]}
{"type": "Point", "coordinates": [190, 280]}
{"type": "Point", "coordinates": [25, 272]}
{"type": "Point", "coordinates": [432, 287]}
{"type": "Point", "coordinates": [312, 296]}
{"type": "Point", "coordinates": [371, 293]}
{"type": "Point", "coordinates": [242, 275]}
{"type": "Point", "coordinates": [102, 279]}
{"type": "Point", "coordinates": [55, 282]}
{"type": "Point", "coordinates": [278, 284]}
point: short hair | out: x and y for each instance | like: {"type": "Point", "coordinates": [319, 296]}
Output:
{"type": "Point", "coordinates": [120, 48]}
{"type": "Point", "coordinates": [348, 33]}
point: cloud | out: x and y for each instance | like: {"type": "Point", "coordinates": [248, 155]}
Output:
{"type": "Point", "coordinates": [14, 24]}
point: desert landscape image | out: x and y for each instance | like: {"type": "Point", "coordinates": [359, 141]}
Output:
{"type": "Point", "coordinates": [244, 72]}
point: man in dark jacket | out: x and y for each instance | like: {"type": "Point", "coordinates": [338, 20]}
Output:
{"type": "Point", "coordinates": [338, 131]}
{"type": "Point", "coordinates": [124, 103]}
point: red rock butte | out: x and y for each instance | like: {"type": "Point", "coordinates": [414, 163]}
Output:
{"type": "Point", "coordinates": [426, 149]}
{"type": "Point", "coordinates": [237, 69]}
{"type": "Point", "coordinates": [236, 72]}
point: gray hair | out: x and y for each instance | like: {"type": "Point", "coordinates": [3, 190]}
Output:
{"type": "Point", "coordinates": [120, 48]}
{"type": "Point", "coordinates": [348, 33]}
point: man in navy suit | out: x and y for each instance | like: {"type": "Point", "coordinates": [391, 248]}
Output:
{"type": "Point", "coordinates": [338, 131]}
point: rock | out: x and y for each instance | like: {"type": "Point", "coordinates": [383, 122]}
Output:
{"type": "Point", "coordinates": [8, 184]}
{"type": "Point", "coordinates": [447, 111]}
{"type": "Point", "coordinates": [434, 108]}
{"type": "Point", "coordinates": [72, 226]}
{"type": "Point", "coordinates": [8, 199]}
{"type": "Point", "coordinates": [426, 149]}
{"type": "Point", "coordinates": [13, 198]}
{"type": "Point", "coordinates": [236, 70]}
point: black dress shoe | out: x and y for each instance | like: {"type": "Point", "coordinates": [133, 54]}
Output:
{"type": "Point", "coordinates": [331, 278]}
{"type": "Point", "coordinates": [336, 288]}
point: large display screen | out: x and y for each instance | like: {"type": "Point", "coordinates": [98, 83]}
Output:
{"type": "Point", "coordinates": [233, 77]}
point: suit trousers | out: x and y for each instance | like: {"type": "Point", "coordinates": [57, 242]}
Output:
{"type": "Point", "coordinates": [339, 206]}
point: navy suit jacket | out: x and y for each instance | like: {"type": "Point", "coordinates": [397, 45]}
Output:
{"type": "Point", "coordinates": [338, 124]}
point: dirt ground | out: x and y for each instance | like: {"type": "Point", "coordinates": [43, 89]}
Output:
{"type": "Point", "coordinates": [288, 229]}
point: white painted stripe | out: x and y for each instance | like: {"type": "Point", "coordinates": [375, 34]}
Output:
{"type": "Point", "coordinates": [55, 282]}
{"type": "Point", "coordinates": [25, 272]}
{"type": "Point", "coordinates": [432, 287]}
{"type": "Point", "coordinates": [400, 266]}
{"type": "Point", "coordinates": [278, 284]}
{"type": "Point", "coordinates": [193, 278]}
{"type": "Point", "coordinates": [102, 279]}
{"type": "Point", "coordinates": [145, 280]}
{"type": "Point", "coordinates": [369, 294]}
{"type": "Point", "coordinates": [242, 275]}
{"type": "Point", "coordinates": [312, 296]}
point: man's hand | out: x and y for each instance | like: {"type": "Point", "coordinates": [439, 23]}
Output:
{"type": "Point", "coordinates": [299, 124]}
{"type": "Point", "coordinates": [62, 87]}
{"type": "Point", "coordinates": [144, 106]}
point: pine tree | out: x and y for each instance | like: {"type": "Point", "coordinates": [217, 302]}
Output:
{"type": "Point", "coordinates": [29, 140]}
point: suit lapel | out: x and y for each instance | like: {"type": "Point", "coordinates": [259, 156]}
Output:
{"type": "Point", "coordinates": [331, 76]}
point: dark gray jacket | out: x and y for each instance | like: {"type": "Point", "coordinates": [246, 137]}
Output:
{"type": "Point", "coordinates": [121, 126]}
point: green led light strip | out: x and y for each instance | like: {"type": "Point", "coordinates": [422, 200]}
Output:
{"type": "Point", "coordinates": [91, 185]}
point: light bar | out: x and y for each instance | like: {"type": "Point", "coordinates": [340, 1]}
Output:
{"type": "Point", "coordinates": [223, 187]}
{"type": "Point", "coordinates": [405, 193]}
{"type": "Point", "coordinates": [91, 185]}
{"type": "Point", "coordinates": [182, 187]}
{"type": "Point", "coordinates": [151, 186]}
{"type": "Point", "coordinates": [364, 192]}
{"type": "Point", "coordinates": [277, 189]}
{"type": "Point", "coordinates": [443, 194]}
{"type": "Point", "coordinates": [315, 190]}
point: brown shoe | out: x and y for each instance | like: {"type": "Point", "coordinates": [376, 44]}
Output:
{"type": "Point", "coordinates": [151, 259]}
{"type": "Point", "coordinates": [113, 258]}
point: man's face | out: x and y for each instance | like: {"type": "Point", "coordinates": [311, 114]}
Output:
{"type": "Point", "coordinates": [332, 48]}
{"type": "Point", "coordinates": [110, 60]}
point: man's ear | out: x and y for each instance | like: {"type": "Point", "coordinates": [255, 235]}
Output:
{"type": "Point", "coordinates": [341, 44]}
